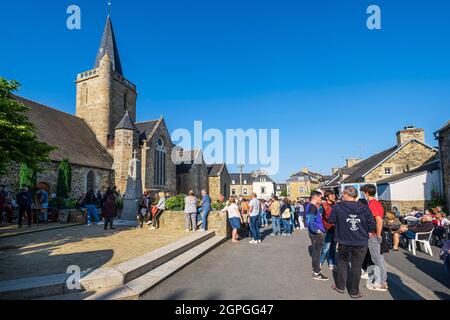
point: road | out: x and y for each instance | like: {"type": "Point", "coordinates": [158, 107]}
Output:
{"type": "Point", "coordinates": [279, 268]}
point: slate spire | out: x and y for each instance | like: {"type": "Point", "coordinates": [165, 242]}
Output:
{"type": "Point", "coordinates": [126, 123]}
{"type": "Point", "coordinates": [108, 45]}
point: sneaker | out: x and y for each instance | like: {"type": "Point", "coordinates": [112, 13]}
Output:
{"type": "Point", "coordinates": [320, 277]}
{"type": "Point", "coordinates": [365, 276]}
{"type": "Point", "coordinates": [89, 225]}
{"type": "Point", "coordinates": [375, 287]}
{"type": "Point", "coordinates": [331, 268]}
{"type": "Point", "coordinates": [149, 223]}
{"type": "Point", "coordinates": [100, 223]}
{"type": "Point", "coordinates": [187, 230]}
{"type": "Point", "coordinates": [259, 241]}
{"type": "Point", "coordinates": [253, 242]}
{"type": "Point", "coordinates": [152, 228]}
{"type": "Point", "coordinates": [273, 235]}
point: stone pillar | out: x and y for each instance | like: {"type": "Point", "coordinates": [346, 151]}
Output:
{"type": "Point", "coordinates": [133, 190]}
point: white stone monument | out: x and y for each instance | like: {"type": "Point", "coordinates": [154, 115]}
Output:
{"type": "Point", "coordinates": [133, 192]}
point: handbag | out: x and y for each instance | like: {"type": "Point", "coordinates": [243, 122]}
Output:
{"type": "Point", "coordinates": [286, 214]}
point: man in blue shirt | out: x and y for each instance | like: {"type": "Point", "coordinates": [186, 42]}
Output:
{"type": "Point", "coordinates": [43, 200]}
{"type": "Point", "coordinates": [205, 209]}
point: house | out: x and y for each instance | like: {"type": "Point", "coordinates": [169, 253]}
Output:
{"type": "Point", "coordinates": [192, 172]}
{"type": "Point", "coordinates": [443, 136]}
{"type": "Point", "coordinates": [281, 189]}
{"type": "Point", "coordinates": [409, 153]}
{"type": "Point", "coordinates": [241, 188]}
{"type": "Point", "coordinates": [219, 181]}
{"type": "Point", "coordinates": [263, 185]}
{"type": "Point", "coordinates": [415, 188]}
{"type": "Point", "coordinates": [301, 184]}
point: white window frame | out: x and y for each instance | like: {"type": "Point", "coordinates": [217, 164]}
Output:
{"type": "Point", "coordinates": [388, 171]}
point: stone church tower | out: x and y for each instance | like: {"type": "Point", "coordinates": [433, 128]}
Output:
{"type": "Point", "coordinates": [104, 95]}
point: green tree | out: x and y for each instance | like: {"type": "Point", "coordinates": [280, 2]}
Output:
{"type": "Point", "coordinates": [284, 194]}
{"type": "Point", "coordinates": [64, 179]}
{"type": "Point", "coordinates": [18, 141]}
{"type": "Point", "coordinates": [27, 177]}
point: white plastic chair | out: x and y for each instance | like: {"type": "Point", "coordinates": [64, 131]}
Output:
{"type": "Point", "coordinates": [425, 245]}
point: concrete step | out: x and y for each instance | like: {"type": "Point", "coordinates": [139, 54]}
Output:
{"type": "Point", "coordinates": [139, 286]}
{"type": "Point", "coordinates": [32, 288]}
{"type": "Point", "coordinates": [119, 275]}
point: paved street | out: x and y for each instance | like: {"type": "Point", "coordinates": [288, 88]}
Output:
{"type": "Point", "coordinates": [278, 269]}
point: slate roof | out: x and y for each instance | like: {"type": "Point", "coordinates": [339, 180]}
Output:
{"type": "Point", "coordinates": [216, 169]}
{"type": "Point", "coordinates": [126, 123]}
{"type": "Point", "coordinates": [186, 166]}
{"type": "Point", "coordinates": [245, 176]}
{"type": "Point", "coordinates": [357, 172]}
{"type": "Point", "coordinates": [70, 134]}
{"type": "Point", "coordinates": [445, 127]}
{"type": "Point", "coordinates": [427, 167]}
{"type": "Point", "coordinates": [108, 45]}
{"type": "Point", "coordinates": [147, 127]}
{"type": "Point", "coordinates": [261, 178]}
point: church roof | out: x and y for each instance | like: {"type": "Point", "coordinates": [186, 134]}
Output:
{"type": "Point", "coordinates": [108, 45]}
{"type": "Point", "coordinates": [147, 127]}
{"type": "Point", "coordinates": [215, 170]}
{"type": "Point", "coordinates": [126, 123]}
{"type": "Point", "coordinates": [70, 134]}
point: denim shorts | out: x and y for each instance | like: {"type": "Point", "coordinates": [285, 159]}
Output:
{"type": "Point", "coordinates": [235, 223]}
{"type": "Point", "coordinates": [410, 235]}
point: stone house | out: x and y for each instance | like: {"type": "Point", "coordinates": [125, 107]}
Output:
{"type": "Point", "coordinates": [409, 153]}
{"type": "Point", "coordinates": [246, 189]}
{"type": "Point", "coordinates": [415, 188]}
{"type": "Point", "coordinates": [301, 184]}
{"type": "Point", "coordinates": [191, 172]}
{"type": "Point", "coordinates": [443, 136]}
{"type": "Point", "coordinates": [219, 181]}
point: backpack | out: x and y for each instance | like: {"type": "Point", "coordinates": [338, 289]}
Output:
{"type": "Point", "coordinates": [286, 214]}
{"type": "Point", "coordinates": [311, 221]}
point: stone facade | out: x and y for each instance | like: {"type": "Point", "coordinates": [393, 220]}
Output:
{"type": "Point", "coordinates": [404, 206]}
{"type": "Point", "coordinates": [126, 141]}
{"type": "Point", "coordinates": [411, 156]}
{"type": "Point", "coordinates": [219, 185]}
{"type": "Point", "coordinates": [301, 189]}
{"type": "Point", "coordinates": [246, 191]}
{"type": "Point", "coordinates": [444, 147]}
{"type": "Point", "coordinates": [103, 97]}
{"type": "Point", "coordinates": [196, 179]}
{"type": "Point", "coordinates": [101, 178]}
{"type": "Point", "coordinates": [148, 161]}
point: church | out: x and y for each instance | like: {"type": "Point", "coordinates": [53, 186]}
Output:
{"type": "Point", "coordinates": [103, 136]}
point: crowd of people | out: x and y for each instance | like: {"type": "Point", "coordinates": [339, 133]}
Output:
{"type": "Point", "coordinates": [350, 234]}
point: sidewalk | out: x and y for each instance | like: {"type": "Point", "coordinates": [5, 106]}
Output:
{"type": "Point", "coordinates": [53, 251]}
{"type": "Point", "coordinates": [279, 268]}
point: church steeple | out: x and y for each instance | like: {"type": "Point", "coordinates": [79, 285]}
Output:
{"type": "Point", "coordinates": [108, 46]}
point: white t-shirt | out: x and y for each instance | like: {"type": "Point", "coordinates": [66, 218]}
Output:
{"type": "Point", "coordinates": [254, 204]}
{"type": "Point", "coordinates": [233, 211]}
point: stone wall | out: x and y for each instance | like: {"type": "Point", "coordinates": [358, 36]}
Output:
{"type": "Point", "coordinates": [294, 189]}
{"type": "Point", "coordinates": [49, 176]}
{"type": "Point", "coordinates": [175, 220]}
{"type": "Point", "coordinates": [444, 145]}
{"type": "Point", "coordinates": [412, 155]}
{"type": "Point", "coordinates": [102, 99]}
{"type": "Point", "coordinates": [148, 174]}
{"type": "Point", "coordinates": [404, 206]}
{"type": "Point", "coordinates": [196, 180]}
{"type": "Point", "coordinates": [238, 191]}
{"type": "Point", "coordinates": [124, 144]}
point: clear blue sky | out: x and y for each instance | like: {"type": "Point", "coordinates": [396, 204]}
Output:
{"type": "Point", "coordinates": [310, 68]}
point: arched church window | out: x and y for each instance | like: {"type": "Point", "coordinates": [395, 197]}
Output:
{"type": "Point", "coordinates": [84, 93]}
{"type": "Point", "coordinates": [90, 181]}
{"type": "Point", "coordinates": [160, 163]}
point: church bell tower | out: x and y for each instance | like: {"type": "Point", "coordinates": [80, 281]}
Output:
{"type": "Point", "coordinates": [104, 95]}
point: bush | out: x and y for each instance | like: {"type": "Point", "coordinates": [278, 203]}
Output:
{"type": "Point", "coordinates": [119, 203]}
{"type": "Point", "coordinates": [64, 179]}
{"type": "Point", "coordinates": [218, 206]}
{"type": "Point", "coordinates": [176, 203]}
{"type": "Point", "coordinates": [62, 204]}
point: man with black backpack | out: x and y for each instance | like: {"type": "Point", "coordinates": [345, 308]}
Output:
{"type": "Point", "coordinates": [24, 200]}
{"type": "Point", "coordinates": [316, 233]}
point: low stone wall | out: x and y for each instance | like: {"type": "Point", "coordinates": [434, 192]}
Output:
{"type": "Point", "coordinates": [217, 221]}
{"type": "Point", "coordinates": [405, 206]}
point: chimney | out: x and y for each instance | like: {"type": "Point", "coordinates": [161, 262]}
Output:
{"type": "Point", "coordinates": [408, 133]}
{"type": "Point", "coordinates": [352, 162]}
{"type": "Point", "coordinates": [334, 170]}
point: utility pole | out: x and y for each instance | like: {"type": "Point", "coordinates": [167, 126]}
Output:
{"type": "Point", "coordinates": [241, 167]}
